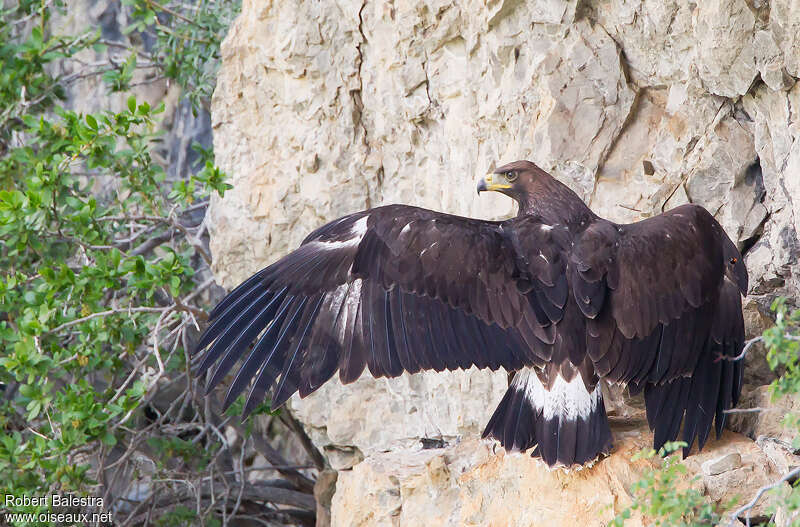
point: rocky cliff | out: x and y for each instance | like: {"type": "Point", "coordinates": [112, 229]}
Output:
{"type": "Point", "coordinates": [324, 108]}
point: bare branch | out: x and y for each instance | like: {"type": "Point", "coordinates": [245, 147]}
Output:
{"type": "Point", "coordinates": [300, 481]}
{"type": "Point", "coordinates": [154, 242]}
{"type": "Point", "coordinates": [751, 342]}
{"type": "Point", "coordinates": [752, 503]}
{"type": "Point", "coordinates": [744, 410]}
{"type": "Point", "coordinates": [173, 13]}
{"type": "Point", "coordinates": [312, 451]}
{"type": "Point", "coordinates": [138, 309]}
{"type": "Point", "coordinates": [745, 349]}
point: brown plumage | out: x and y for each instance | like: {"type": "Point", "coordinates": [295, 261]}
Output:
{"type": "Point", "coordinates": [557, 294]}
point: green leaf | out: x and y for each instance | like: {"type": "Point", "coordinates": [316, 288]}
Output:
{"type": "Point", "coordinates": [109, 439]}
{"type": "Point", "coordinates": [132, 104]}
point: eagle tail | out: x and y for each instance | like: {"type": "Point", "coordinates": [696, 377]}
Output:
{"type": "Point", "coordinates": [565, 425]}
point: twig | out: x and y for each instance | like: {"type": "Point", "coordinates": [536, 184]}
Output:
{"type": "Point", "coordinates": [264, 468]}
{"type": "Point", "coordinates": [305, 441]}
{"type": "Point", "coordinates": [630, 208]}
{"type": "Point", "coordinates": [175, 34]}
{"type": "Point", "coordinates": [140, 309]}
{"type": "Point", "coordinates": [126, 47]}
{"type": "Point", "coordinates": [154, 242]}
{"type": "Point", "coordinates": [198, 246]}
{"type": "Point", "coordinates": [262, 446]}
{"type": "Point", "coordinates": [156, 351]}
{"type": "Point", "coordinates": [35, 13]}
{"type": "Point", "coordinates": [39, 434]}
{"type": "Point", "coordinates": [744, 410]}
{"type": "Point", "coordinates": [127, 381]}
{"type": "Point", "coordinates": [749, 344]}
{"type": "Point", "coordinates": [253, 493]}
{"type": "Point", "coordinates": [748, 506]}
{"type": "Point", "coordinates": [745, 349]}
{"type": "Point", "coordinates": [242, 479]}
{"type": "Point", "coordinates": [144, 217]}
{"type": "Point", "coordinates": [174, 13]}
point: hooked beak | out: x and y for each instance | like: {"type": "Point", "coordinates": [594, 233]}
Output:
{"type": "Point", "coordinates": [497, 182]}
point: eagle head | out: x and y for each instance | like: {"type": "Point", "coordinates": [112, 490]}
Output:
{"type": "Point", "coordinates": [514, 179]}
{"type": "Point", "coordinates": [735, 270]}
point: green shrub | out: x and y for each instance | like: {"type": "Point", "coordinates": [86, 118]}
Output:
{"type": "Point", "coordinates": [103, 266]}
{"type": "Point", "coordinates": [662, 498]}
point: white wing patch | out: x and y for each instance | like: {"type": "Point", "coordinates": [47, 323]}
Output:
{"type": "Point", "coordinates": [350, 308]}
{"type": "Point", "coordinates": [358, 230]}
{"type": "Point", "coordinates": [360, 227]}
{"type": "Point", "coordinates": [337, 297]}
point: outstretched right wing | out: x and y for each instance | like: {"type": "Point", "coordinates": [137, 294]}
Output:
{"type": "Point", "coordinates": [390, 289]}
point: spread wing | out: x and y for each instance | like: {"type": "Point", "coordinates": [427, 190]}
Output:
{"type": "Point", "coordinates": [391, 289]}
{"type": "Point", "coordinates": [662, 314]}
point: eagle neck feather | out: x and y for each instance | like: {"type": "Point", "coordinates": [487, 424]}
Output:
{"type": "Point", "coordinates": [554, 202]}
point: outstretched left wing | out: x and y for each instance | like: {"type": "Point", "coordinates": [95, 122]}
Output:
{"type": "Point", "coordinates": [663, 313]}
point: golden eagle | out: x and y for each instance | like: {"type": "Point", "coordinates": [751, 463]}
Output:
{"type": "Point", "coordinates": [557, 294]}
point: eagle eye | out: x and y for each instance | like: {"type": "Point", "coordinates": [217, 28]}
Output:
{"type": "Point", "coordinates": [733, 260]}
{"type": "Point", "coordinates": [512, 176]}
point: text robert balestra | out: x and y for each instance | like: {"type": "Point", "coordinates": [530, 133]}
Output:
{"type": "Point", "coordinates": [53, 500]}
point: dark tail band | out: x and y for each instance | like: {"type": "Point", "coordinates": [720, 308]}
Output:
{"type": "Point", "coordinates": [566, 424]}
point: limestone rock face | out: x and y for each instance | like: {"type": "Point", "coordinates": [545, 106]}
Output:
{"type": "Point", "coordinates": [773, 261]}
{"type": "Point", "coordinates": [325, 108]}
{"type": "Point", "coordinates": [371, 416]}
{"type": "Point", "coordinates": [784, 22]}
{"type": "Point", "coordinates": [724, 37]}
{"type": "Point", "coordinates": [469, 485]}
{"type": "Point", "coordinates": [768, 422]}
